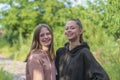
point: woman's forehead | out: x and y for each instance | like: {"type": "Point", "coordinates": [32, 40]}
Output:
{"type": "Point", "coordinates": [71, 23]}
{"type": "Point", "coordinates": [44, 29]}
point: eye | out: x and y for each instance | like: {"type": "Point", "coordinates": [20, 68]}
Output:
{"type": "Point", "coordinates": [48, 33]}
{"type": "Point", "coordinates": [72, 27]}
{"type": "Point", "coordinates": [41, 35]}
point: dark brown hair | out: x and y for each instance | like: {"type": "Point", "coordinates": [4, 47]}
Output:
{"type": "Point", "coordinates": [36, 43]}
{"type": "Point", "coordinates": [78, 22]}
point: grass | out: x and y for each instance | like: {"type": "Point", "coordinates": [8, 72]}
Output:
{"type": "Point", "coordinates": [4, 75]}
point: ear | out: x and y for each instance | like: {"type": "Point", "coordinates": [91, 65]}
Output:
{"type": "Point", "coordinates": [81, 31]}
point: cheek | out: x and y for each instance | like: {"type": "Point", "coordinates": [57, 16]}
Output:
{"type": "Point", "coordinates": [65, 32]}
{"type": "Point", "coordinates": [77, 32]}
{"type": "Point", "coordinates": [41, 39]}
{"type": "Point", "coordinates": [50, 36]}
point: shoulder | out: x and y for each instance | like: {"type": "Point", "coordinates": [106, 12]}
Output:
{"type": "Point", "coordinates": [60, 51]}
{"type": "Point", "coordinates": [88, 54]}
{"type": "Point", "coordinates": [36, 56]}
{"type": "Point", "coordinates": [85, 50]}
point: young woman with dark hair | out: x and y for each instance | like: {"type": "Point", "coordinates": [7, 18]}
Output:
{"type": "Point", "coordinates": [75, 61]}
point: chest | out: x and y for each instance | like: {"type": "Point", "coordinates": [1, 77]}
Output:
{"type": "Point", "coordinates": [70, 62]}
{"type": "Point", "coordinates": [47, 64]}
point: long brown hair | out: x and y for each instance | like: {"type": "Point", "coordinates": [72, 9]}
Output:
{"type": "Point", "coordinates": [78, 22]}
{"type": "Point", "coordinates": [36, 43]}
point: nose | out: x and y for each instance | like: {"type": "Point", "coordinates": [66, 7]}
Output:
{"type": "Point", "coordinates": [68, 30]}
{"type": "Point", "coordinates": [46, 36]}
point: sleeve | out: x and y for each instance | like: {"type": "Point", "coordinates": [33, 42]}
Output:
{"type": "Point", "coordinates": [59, 53]}
{"type": "Point", "coordinates": [57, 64]}
{"type": "Point", "coordinates": [94, 70]}
{"type": "Point", "coordinates": [36, 70]}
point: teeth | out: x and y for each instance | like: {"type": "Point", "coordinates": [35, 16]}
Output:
{"type": "Point", "coordinates": [69, 34]}
{"type": "Point", "coordinates": [46, 40]}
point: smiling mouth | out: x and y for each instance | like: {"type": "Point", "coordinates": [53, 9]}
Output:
{"type": "Point", "coordinates": [69, 35]}
{"type": "Point", "coordinates": [47, 40]}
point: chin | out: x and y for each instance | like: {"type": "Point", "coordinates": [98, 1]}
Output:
{"type": "Point", "coordinates": [47, 44]}
{"type": "Point", "coordinates": [70, 38]}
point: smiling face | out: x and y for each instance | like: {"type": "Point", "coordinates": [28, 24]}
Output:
{"type": "Point", "coordinates": [45, 37]}
{"type": "Point", "coordinates": [72, 31]}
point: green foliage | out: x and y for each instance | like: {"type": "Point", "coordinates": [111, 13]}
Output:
{"type": "Point", "coordinates": [18, 21]}
{"type": "Point", "coordinates": [59, 38]}
{"type": "Point", "coordinates": [5, 76]}
{"type": "Point", "coordinates": [106, 15]}
{"type": "Point", "coordinates": [111, 62]}
{"type": "Point", "coordinates": [25, 18]}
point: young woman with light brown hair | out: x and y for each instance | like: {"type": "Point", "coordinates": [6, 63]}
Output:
{"type": "Point", "coordinates": [40, 60]}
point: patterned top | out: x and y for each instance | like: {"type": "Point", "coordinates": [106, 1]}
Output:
{"type": "Point", "coordinates": [40, 67]}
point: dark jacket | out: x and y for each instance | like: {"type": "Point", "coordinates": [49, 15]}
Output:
{"type": "Point", "coordinates": [78, 64]}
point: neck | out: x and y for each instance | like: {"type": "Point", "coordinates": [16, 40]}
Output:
{"type": "Point", "coordinates": [44, 48]}
{"type": "Point", "coordinates": [73, 44]}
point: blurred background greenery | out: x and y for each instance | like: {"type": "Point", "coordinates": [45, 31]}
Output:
{"type": "Point", "coordinates": [4, 75]}
{"type": "Point", "coordinates": [100, 20]}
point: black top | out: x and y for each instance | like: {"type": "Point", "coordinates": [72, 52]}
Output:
{"type": "Point", "coordinates": [78, 64]}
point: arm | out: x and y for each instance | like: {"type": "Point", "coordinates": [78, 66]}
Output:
{"type": "Point", "coordinates": [57, 64]}
{"type": "Point", "coordinates": [93, 69]}
{"type": "Point", "coordinates": [59, 53]}
{"type": "Point", "coordinates": [36, 69]}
